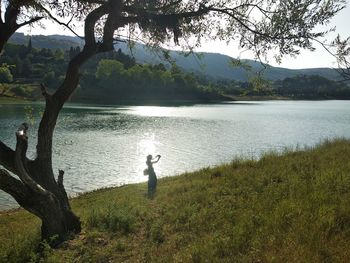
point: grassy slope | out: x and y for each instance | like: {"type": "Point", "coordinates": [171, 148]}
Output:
{"type": "Point", "coordinates": [293, 207]}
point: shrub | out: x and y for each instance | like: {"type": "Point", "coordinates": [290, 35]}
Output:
{"type": "Point", "coordinates": [19, 91]}
{"type": "Point", "coordinates": [5, 75]}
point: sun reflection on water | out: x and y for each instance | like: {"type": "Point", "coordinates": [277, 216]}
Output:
{"type": "Point", "coordinates": [147, 145]}
{"type": "Point", "coordinates": [152, 111]}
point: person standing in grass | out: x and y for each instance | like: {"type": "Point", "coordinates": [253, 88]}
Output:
{"type": "Point", "coordinates": [152, 178]}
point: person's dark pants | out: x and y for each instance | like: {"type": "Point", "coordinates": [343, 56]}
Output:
{"type": "Point", "coordinates": [152, 185]}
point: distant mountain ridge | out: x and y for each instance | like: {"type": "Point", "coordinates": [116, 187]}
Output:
{"type": "Point", "coordinates": [213, 65]}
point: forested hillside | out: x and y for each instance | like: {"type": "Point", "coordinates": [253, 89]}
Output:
{"type": "Point", "coordinates": [107, 78]}
{"type": "Point", "coordinates": [216, 66]}
{"type": "Point", "coordinates": [116, 77]}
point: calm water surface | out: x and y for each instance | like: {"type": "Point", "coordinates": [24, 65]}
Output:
{"type": "Point", "coordinates": [107, 146]}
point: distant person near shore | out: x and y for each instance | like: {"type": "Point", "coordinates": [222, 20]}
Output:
{"type": "Point", "coordinates": [152, 178]}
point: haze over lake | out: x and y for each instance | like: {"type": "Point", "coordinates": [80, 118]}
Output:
{"type": "Point", "coordinates": [101, 146]}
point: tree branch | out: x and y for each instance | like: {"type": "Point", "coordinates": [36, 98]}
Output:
{"type": "Point", "coordinates": [60, 178]}
{"type": "Point", "coordinates": [7, 158]}
{"type": "Point", "coordinates": [90, 48]}
{"type": "Point", "coordinates": [343, 72]}
{"type": "Point", "coordinates": [21, 149]}
{"type": "Point", "coordinates": [142, 13]}
{"type": "Point", "coordinates": [44, 91]}
{"type": "Point", "coordinates": [11, 14]}
{"type": "Point", "coordinates": [1, 21]}
{"type": "Point", "coordinates": [12, 186]}
{"type": "Point", "coordinates": [113, 21]}
{"type": "Point", "coordinates": [30, 21]}
{"type": "Point", "coordinates": [90, 23]}
{"type": "Point", "coordinates": [232, 15]}
{"type": "Point", "coordinates": [58, 21]}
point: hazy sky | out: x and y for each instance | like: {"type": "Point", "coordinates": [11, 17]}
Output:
{"type": "Point", "coordinates": [307, 59]}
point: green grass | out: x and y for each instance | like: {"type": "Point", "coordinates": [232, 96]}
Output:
{"type": "Point", "coordinates": [290, 207]}
{"type": "Point", "coordinates": [12, 100]}
{"type": "Point", "coordinates": [19, 236]}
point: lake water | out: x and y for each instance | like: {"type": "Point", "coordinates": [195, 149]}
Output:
{"type": "Point", "coordinates": [107, 146]}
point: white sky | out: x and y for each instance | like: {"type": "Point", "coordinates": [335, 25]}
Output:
{"type": "Point", "coordinates": [307, 59]}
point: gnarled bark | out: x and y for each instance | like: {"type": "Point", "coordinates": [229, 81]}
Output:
{"type": "Point", "coordinates": [51, 206]}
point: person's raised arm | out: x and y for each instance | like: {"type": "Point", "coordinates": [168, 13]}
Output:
{"type": "Point", "coordinates": [157, 159]}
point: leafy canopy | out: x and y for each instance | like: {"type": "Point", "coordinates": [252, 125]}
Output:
{"type": "Point", "coordinates": [284, 26]}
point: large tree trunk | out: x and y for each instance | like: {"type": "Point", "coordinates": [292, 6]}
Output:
{"type": "Point", "coordinates": [37, 190]}
{"type": "Point", "coordinates": [5, 35]}
{"type": "Point", "coordinates": [48, 199]}
{"type": "Point", "coordinates": [58, 221]}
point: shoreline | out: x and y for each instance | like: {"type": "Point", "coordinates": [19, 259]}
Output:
{"type": "Point", "coordinates": [5, 100]}
{"type": "Point", "coordinates": [281, 98]}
